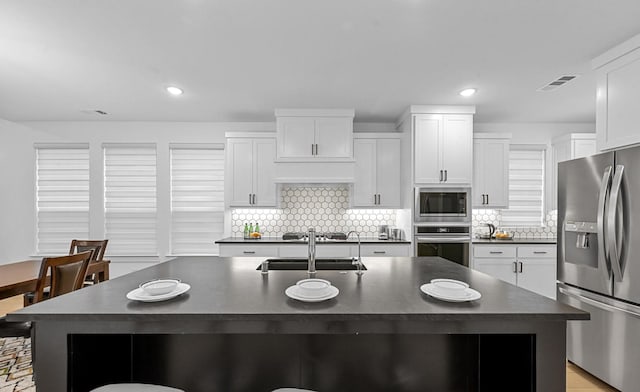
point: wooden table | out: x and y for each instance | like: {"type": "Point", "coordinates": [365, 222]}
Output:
{"type": "Point", "coordinates": [21, 277]}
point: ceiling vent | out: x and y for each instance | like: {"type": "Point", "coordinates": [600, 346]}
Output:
{"type": "Point", "coordinates": [559, 82]}
{"type": "Point", "coordinates": [95, 111]}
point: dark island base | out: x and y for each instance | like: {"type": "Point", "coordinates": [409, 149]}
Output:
{"type": "Point", "coordinates": [322, 362]}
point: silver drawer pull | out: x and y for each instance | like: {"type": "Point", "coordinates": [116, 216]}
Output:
{"type": "Point", "coordinates": [539, 252]}
{"type": "Point", "coordinates": [379, 252]}
{"type": "Point", "coordinates": [495, 253]}
{"type": "Point", "coordinates": [249, 252]}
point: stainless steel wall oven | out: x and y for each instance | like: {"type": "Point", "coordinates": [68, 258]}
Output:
{"type": "Point", "coordinates": [449, 242]}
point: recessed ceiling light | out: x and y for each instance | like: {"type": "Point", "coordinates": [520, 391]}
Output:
{"type": "Point", "coordinates": [468, 92]}
{"type": "Point", "coordinates": [174, 90]}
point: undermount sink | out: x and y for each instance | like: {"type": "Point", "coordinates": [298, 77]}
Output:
{"type": "Point", "coordinates": [322, 264]}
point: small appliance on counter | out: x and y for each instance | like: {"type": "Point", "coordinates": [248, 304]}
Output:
{"type": "Point", "coordinates": [396, 234]}
{"type": "Point", "coordinates": [383, 232]}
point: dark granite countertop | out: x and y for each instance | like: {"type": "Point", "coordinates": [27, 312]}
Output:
{"type": "Point", "coordinates": [279, 240]}
{"type": "Point", "coordinates": [516, 241]}
{"type": "Point", "coordinates": [230, 289]}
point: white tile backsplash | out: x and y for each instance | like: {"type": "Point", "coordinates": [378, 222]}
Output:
{"type": "Point", "coordinates": [326, 208]}
{"type": "Point", "coordinates": [547, 231]}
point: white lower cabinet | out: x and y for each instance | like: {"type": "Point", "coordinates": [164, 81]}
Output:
{"type": "Point", "coordinates": [532, 267]}
{"type": "Point", "coordinates": [322, 250]}
{"type": "Point", "coordinates": [248, 250]}
{"type": "Point", "coordinates": [382, 250]}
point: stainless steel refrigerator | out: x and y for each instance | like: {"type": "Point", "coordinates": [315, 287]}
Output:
{"type": "Point", "coordinates": [599, 263]}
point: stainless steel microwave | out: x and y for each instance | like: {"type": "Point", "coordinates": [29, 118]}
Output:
{"type": "Point", "coordinates": [439, 204]}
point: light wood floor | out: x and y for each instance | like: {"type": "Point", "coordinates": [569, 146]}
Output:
{"type": "Point", "coordinates": [577, 379]}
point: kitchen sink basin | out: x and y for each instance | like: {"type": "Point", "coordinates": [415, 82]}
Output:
{"type": "Point", "coordinates": [322, 264]}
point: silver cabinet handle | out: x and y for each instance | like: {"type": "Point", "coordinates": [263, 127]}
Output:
{"type": "Point", "coordinates": [495, 252]}
{"type": "Point", "coordinates": [316, 149]}
{"type": "Point", "coordinates": [249, 198]}
{"type": "Point", "coordinates": [254, 198]}
{"type": "Point", "coordinates": [539, 252]}
{"type": "Point", "coordinates": [441, 176]}
{"type": "Point", "coordinates": [603, 254]}
{"type": "Point", "coordinates": [313, 149]}
{"type": "Point", "coordinates": [379, 199]}
{"type": "Point", "coordinates": [379, 252]}
{"type": "Point", "coordinates": [487, 198]}
{"type": "Point", "coordinates": [615, 256]}
{"type": "Point", "coordinates": [445, 176]}
{"type": "Point", "coordinates": [249, 252]}
{"type": "Point", "coordinates": [515, 267]}
{"type": "Point", "coordinates": [520, 262]}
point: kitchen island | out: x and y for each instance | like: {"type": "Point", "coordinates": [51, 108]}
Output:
{"type": "Point", "coordinates": [235, 330]}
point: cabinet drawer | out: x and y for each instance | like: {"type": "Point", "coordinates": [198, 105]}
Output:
{"type": "Point", "coordinates": [537, 251]}
{"type": "Point", "coordinates": [248, 250]}
{"type": "Point", "coordinates": [382, 250]}
{"type": "Point", "coordinates": [506, 251]}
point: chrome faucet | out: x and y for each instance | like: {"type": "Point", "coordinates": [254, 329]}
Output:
{"type": "Point", "coordinates": [357, 262]}
{"type": "Point", "coordinates": [312, 251]}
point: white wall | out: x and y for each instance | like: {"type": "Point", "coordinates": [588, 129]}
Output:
{"type": "Point", "coordinates": [535, 133]}
{"type": "Point", "coordinates": [17, 156]}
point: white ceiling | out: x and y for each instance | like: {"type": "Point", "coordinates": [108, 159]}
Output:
{"type": "Point", "coordinates": [237, 60]}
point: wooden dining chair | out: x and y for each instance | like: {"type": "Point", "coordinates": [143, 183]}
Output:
{"type": "Point", "coordinates": [98, 247]}
{"type": "Point", "coordinates": [60, 275]}
{"type": "Point", "coordinates": [67, 274]}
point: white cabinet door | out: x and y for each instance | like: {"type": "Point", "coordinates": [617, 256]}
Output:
{"type": "Point", "coordinates": [502, 269]}
{"type": "Point", "coordinates": [248, 250]}
{"type": "Point", "coordinates": [240, 171]}
{"type": "Point", "coordinates": [264, 151]}
{"type": "Point", "coordinates": [382, 250]}
{"type": "Point", "coordinates": [457, 148]}
{"type": "Point", "coordinates": [427, 133]}
{"type": "Point", "coordinates": [617, 113]}
{"type": "Point", "coordinates": [364, 186]}
{"type": "Point", "coordinates": [388, 174]}
{"type": "Point", "coordinates": [296, 136]}
{"type": "Point", "coordinates": [333, 137]}
{"type": "Point", "coordinates": [538, 275]}
{"type": "Point", "coordinates": [495, 165]}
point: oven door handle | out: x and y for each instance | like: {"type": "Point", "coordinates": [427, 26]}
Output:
{"type": "Point", "coordinates": [443, 239]}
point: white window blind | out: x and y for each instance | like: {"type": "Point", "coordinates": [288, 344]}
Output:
{"type": "Point", "coordinates": [197, 199]}
{"type": "Point", "coordinates": [62, 197]}
{"type": "Point", "coordinates": [526, 188]}
{"type": "Point", "coordinates": [130, 199]}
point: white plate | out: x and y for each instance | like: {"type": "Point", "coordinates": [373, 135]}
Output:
{"type": "Point", "coordinates": [139, 294]}
{"type": "Point", "coordinates": [292, 292]}
{"type": "Point", "coordinates": [471, 294]}
{"type": "Point", "coordinates": [449, 287]}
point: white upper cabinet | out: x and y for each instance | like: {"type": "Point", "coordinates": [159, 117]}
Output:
{"type": "Point", "coordinates": [564, 148]}
{"type": "Point", "coordinates": [305, 134]}
{"type": "Point", "coordinates": [377, 172]}
{"type": "Point", "coordinates": [617, 95]}
{"type": "Point", "coordinates": [443, 146]}
{"type": "Point", "coordinates": [251, 170]}
{"type": "Point", "coordinates": [491, 170]}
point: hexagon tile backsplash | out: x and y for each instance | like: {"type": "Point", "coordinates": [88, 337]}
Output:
{"type": "Point", "coordinates": [548, 231]}
{"type": "Point", "coordinates": [326, 208]}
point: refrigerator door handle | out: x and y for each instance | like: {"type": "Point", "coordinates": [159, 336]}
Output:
{"type": "Point", "coordinates": [596, 303]}
{"type": "Point", "coordinates": [603, 254]}
{"type": "Point", "coordinates": [614, 254]}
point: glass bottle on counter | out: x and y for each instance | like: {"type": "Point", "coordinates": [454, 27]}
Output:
{"type": "Point", "coordinates": [257, 228]}
{"type": "Point", "coordinates": [250, 229]}
{"type": "Point", "coordinates": [246, 231]}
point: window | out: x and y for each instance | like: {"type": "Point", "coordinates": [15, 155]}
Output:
{"type": "Point", "coordinates": [197, 199]}
{"type": "Point", "coordinates": [130, 205]}
{"type": "Point", "coordinates": [62, 197]}
{"type": "Point", "coordinates": [526, 187]}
